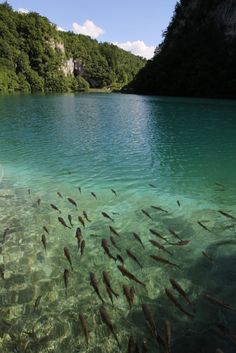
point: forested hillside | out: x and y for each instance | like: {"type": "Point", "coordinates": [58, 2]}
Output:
{"type": "Point", "coordinates": [198, 54]}
{"type": "Point", "coordinates": [35, 56]}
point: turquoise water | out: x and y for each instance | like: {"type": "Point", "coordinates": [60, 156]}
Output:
{"type": "Point", "coordinates": [184, 148]}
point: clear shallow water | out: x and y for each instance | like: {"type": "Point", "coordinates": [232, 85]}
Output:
{"type": "Point", "coordinates": [98, 142]}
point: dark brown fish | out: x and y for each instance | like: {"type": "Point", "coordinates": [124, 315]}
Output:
{"type": "Point", "coordinates": [120, 258]}
{"type": "Point", "coordinates": [114, 243]}
{"type": "Point", "coordinates": [146, 214]}
{"type": "Point", "coordinates": [70, 220]}
{"type": "Point", "coordinates": [114, 231]}
{"type": "Point", "coordinates": [2, 271]}
{"type": "Point", "coordinates": [59, 194]}
{"type": "Point", "coordinates": [227, 215]}
{"type": "Point", "coordinates": [208, 257]}
{"type": "Point", "coordinates": [219, 184]}
{"type": "Point", "coordinates": [94, 284]}
{"type": "Point", "coordinates": [203, 226]}
{"type": "Point", "coordinates": [84, 327]}
{"type": "Point", "coordinates": [152, 186]}
{"type": "Point", "coordinates": [179, 289]}
{"type": "Point", "coordinates": [151, 324]}
{"type": "Point", "coordinates": [126, 292]}
{"type": "Point", "coordinates": [137, 237]}
{"type": "Point", "coordinates": [158, 208]}
{"type": "Point", "coordinates": [178, 203]}
{"type": "Point", "coordinates": [86, 216]}
{"type": "Point", "coordinates": [44, 241]}
{"type": "Point", "coordinates": [107, 321]}
{"type": "Point", "coordinates": [107, 216]}
{"type": "Point", "coordinates": [61, 220]}
{"type": "Point", "coordinates": [78, 236]}
{"type": "Point", "coordinates": [55, 208]}
{"type": "Point", "coordinates": [67, 255]}
{"type": "Point", "coordinates": [72, 202]}
{"type": "Point", "coordinates": [29, 191]}
{"type": "Point", "coordinates": [172, 298]}
{"type": "Point", "coordinates": [174, 234]}
{"type": "Point", "coordinates": [132, 345]}
{"type": "Point", "coordinates": [133, 257]}
{"type": "Point", "coordinates": [114, 192]}
{"type": "Point", "coordinates": [66, 278]}
{"type": "Point", "coordinates": [164, 261]}
{"type": "Point", "coordinates": [129, 275]}
{"type": "Point", "coordinates": [182, 243]}
{"type": "Point", "coordinates": [154, 232]}
{"type": "Point", "coordinates": [219, 303]}
{"type": "Point", "coordinates": [167, 330]}
{"type": "Point", "coordinates": [159, 246]}
{"type": "Point", "coordinates": [108, 283]}
{"type": "Point", "coordinates": [144, 347]}
{"type": "Point", "coordinates": [94, 195]}
{"type": "Point", "coordinates": [79, 188]}
{"type": "Point", "coordinates": [80, 219]}
{"type": "Point", "coordinates": [82, 247]}
{"type": "Point", "coordinates": [223, 331]}
{"type": "Point", "coordinates": [38, 202]}
{"type": "Point", "coordinates": [37, 302]}
{"type": "Point", "coordinates": [46, 230]}
{"type": "Point", "coordinates": [104, 244]}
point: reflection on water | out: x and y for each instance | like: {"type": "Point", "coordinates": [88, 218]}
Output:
{"type": "Point", "coordinates": [152, 152]}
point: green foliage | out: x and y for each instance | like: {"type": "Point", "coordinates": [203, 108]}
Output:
{"type": "Point", "coordinates": [33, 57]}
{"type": "Point", "coordinates": [196, 57]}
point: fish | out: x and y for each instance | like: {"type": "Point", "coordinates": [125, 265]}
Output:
{"type": "Point", "coordinates": [175, 302]}
{"type": "Point", "coordinates": [104, 244]}
{"type": "Point", "coordinates": [55, 208]}
{"type": "Point", "coordinates": [179, 289]}
{"type": "Point", "coordinates": [178, 203]}
{"type": "Point", "coordinates": [219, 303]}
{"type": "Point", "coordinates": [225, 332]}
{"type": "Point", "coordinates": [94, 195]}
{"type": "Point", "coordinates": [72, 202]}
{"type": "Point", "coordinates": [37, 302]}
{"type": "Point", "coordinates": [114, 231]}
{"type": "Point", "coordinates": [61, 220]}
{"type": "Point", "coordinates": [29, 191]}
{"type": "Point", "coordinates": [137, 237]}
{"type": "Point", "coordinates": [203, 226]}
{"type": "Point", "coordinates": [86, 216]}
{"type": "Point", "coordinates": [219, 184]}
{"type": "Point", "coordinates": [114, 192]}
{"type": "Point", "coordinates": [107, 216]}
{"type": "Point", "coordinates": [78, 232]}
{"type": "Point", "coordinates": [165, 261]}
{"type": "Point", "coordinates": [82, 247]}
{"type": "Point", "coordinates": [132, 345]}
{"type": "Point", "coordinates": [158, 208]}
{"type": "Point", "coordinates": [67, 255]}
{"type": "Point", "coordinates": [114, 243]}
{"type": "Point", "coordinates": [208, 257]}
{"type": "Point", "coordinates": [126, 292]}
{"type": "Point", "coordinates": [151, 324]}
{"type": "Point", "coordinates": [38, 202]}
{"type": "Point", "coordinates": [80, 219]}
{"type": "Point", "coordinates": [44, 241]}
{"type": "Point", "coordinates": [94, 284]}
{"type": "Point", "coordinates": [146, 214]}
{"type": "Point", "coordinates": [107, 321]}
{"type": "Point", "coordinates": [79, 188]}
{"type": "Point", "coordinates": [144, 347]}
{"type": "Point", "coordinates": [5, 233]}
{"type": "Point", "coordinates": [84, 327]}
{"type": "Point", "coordinates": [154, 232]}
{"type": "Point", "coordinates": [159, 246]}
{"type": "Point", "coordinates": [226, 215]}
{"type": "Point", "coordinates": [152, 186]}
{"type": "Point", "coordinates": [120, 258]}
{"type": "Point", "coordinates": [182, 243]}
{"type": "Point", "coordinates": [70, 220]}
{"type": "Point", "coordinates": [174, 233]}
{"type": "Point", "coordinates": [167, 331]}
{"type": "Point", "coordinates": [59, 194]}
{"type": "Point", "coordinates": [133, 257]}
{"type": "Point", "coordinates": [2, 271]}
{"type": "Point", "coordinates": [129, 275]}
{"type": "Point", "coordinates": [66, 277]}
{"type": "Point", "coordinates": [108, 283]}
{"type": "Point", "coordinates": [46, 230]}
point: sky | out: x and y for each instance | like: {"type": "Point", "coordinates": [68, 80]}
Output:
{"type": "Point", "coordinates": [133, 25]}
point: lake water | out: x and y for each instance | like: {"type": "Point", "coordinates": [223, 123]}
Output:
{"type": "Point", "coordinates": [174, 153]}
